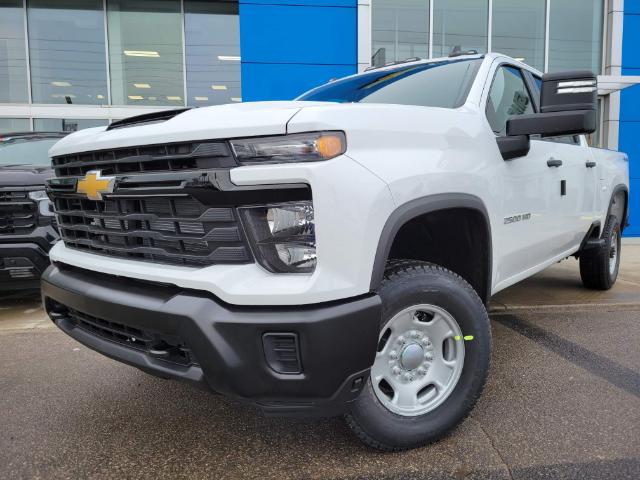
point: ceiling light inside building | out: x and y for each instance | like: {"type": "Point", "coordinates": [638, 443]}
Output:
{"type": "Point", "coordinates": [236, 99]}
{"type": "Point", "coordinates": [61, 84]}
{"type": "Point", "coordinates": [136, 97]}
{"type": "Point", "coordinates": [63, 95]}
{"type": "Point", "coordinates": [141, 53]}
{"type": "Point", "coordinates": [142, 85]}
{"type": "Point", "coordinates": [218, 87]}
{"type": "Point", "coordinates": [201, 99]}
{"type": "Point", "coordinates": [520, 59]}
{"type": "Point", "coordinates": [173, 98]}
{"type": "Point", "coordinates": [100, 97]}
{"type": "Point", "coordinates": [228, 58]}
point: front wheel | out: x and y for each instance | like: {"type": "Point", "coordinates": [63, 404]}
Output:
{"type": "Point", "coordinates": [432, 359]}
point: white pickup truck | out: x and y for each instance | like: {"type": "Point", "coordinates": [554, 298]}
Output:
{"type": "Point", "coordinates": [334, 254]}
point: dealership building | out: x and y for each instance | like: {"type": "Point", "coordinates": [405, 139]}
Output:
{"type": "Point", "coordinates": [71, 64]}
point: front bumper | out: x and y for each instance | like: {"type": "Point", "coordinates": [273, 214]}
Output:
{"type": "Point", "coordinates": [23, 259]}
{"type": "Point", "coordinates": [218, 346]}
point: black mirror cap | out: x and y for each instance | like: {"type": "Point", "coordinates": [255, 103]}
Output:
{"type": "Point", "coordinates": [552, 124]}
{"type": "Point", "coordinates": [513, 146]}
{"type": "Point", "coordinates": [565, 91]}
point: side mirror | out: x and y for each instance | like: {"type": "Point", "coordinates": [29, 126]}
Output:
{"type": "Point", "coordinates": [567, 107]}
{"type": "Point", "coordinates": [513, 146]}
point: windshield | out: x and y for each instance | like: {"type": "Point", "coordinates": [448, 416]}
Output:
{"type": "Point", "coordinates": [438, 84]}
{"type": "Point", "coordinates": [25, 151]}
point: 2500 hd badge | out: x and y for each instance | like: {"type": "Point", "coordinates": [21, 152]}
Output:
{"type": "Point", "coordinates": [334, 255]}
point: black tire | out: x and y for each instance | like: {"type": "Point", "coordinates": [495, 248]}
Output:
{"type": "Point", "coordinates": [595, 262]}
{"type": "Point", "coordinates": [407, 283]}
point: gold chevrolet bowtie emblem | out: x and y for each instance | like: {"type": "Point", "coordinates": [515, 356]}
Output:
{"type": "Point", "coordinates": [93, 185]}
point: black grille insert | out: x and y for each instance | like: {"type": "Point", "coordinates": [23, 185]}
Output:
{"type": "Point", "coordinates": [146, 159]}
{"type": "Point", "coordinates": [174, 230]}
{"type": "Point", "coordinates": [17, 212]}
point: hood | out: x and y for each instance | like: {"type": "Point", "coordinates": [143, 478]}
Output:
{"type": "Point", "coordinates": [205, 123]}
{"type": "Point", "coordinates": [24, 175]}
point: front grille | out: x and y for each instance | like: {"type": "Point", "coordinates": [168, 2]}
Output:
{"type": "Point", "coordinates": [173, 230]}
{"type": "Point", "coordinates": [147, 159]}
{"type": "Point", "coordinates": [17, 212]}
{"type": "Point", "coordinates": [158, 346]}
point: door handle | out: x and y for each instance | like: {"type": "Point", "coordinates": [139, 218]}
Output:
{"type": "Point", "coordinates": [590, 164]}
{"type": "Point", "coordinates": [554, 162]}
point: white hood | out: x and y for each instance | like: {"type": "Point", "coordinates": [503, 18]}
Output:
{"type": "Point", "coordinates": [220, 121]}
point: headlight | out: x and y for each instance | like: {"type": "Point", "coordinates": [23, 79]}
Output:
{"type": "Point", "coordinates": [283, 236]}
{"type": "Point", "coordinates": [299, 147]}
{"type": "Point", "coordinates": [44, 204]}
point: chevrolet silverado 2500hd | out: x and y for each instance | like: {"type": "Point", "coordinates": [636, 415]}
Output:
{"type": "Point", "coordinates": [334, 254]}
{"type": "Point", "coordinates": [27, 222]}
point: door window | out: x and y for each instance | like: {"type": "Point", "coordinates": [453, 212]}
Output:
{"type": "Point", "coordinates": [508, 97]}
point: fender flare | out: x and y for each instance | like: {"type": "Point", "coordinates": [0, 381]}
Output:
{"type": "Point", "coordinates": [421, 206]}
{"type": "Point", "coordinates": [621, 187]}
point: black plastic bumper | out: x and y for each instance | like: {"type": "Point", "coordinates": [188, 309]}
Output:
{"type": "Point", "coordinates": [336, 341]}
{"type": "Point", "coordinates": [24, 259]}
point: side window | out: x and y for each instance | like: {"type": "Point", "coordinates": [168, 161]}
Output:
{"type": "Point", "coordinates": [508, 97]}
{"type": "Point", "coordinates": [569, 139]}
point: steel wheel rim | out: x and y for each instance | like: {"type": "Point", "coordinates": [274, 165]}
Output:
{"type": "Point", "coordinates": [405, 384]}
{"type": "Point", "coordinates": [613, 254]}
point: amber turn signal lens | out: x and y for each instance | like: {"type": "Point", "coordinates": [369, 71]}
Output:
{"type": "Point", "coordinates": [330, 146]}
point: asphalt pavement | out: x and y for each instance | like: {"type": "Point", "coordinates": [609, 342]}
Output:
{"type": "Point", "coordinates": [562, 402]}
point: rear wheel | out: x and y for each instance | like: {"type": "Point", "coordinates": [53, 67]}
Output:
{"type": "Point", "coordinates": [432, 359]}
{"type": "Point", "coordinates": [599, 266]}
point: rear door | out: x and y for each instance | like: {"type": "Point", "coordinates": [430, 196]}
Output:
{"type": "Point", "coordinates": [574, 184]}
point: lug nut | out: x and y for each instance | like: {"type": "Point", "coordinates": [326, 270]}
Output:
{"type": "Point", "coordinates": [393, 355]}
{"type": "Point", "coordinates": [395, 370]}
{"type": "Point", "coordinates": [407, 377]}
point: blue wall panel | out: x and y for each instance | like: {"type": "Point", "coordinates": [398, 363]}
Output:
{"type": "Point", "coordinates": [632, 6]}
{"type": "Point", "coordinates": [290, 46]}
{"type": "Point", "coordinates": [300, 34]}
{"type": "Point", "coordinates": [629, 133]}
{"type": "Point", "coordinates": [634, 209]}
{"type": "Point", "coordinates": [318, 3]}
{"type": "Point", "coordinates": [631, 40]}
{"type": "Point", "coordinates": [286, 81]}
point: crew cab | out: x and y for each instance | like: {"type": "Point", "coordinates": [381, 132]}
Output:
{"type": "Point", "coordinates": [27, 222]}
{"type": "Point", "coordinates": [334, 254]}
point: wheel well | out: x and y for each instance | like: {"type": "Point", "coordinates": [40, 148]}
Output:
{"type": "Point", "coordinates": [458, 239]}
{"type": "Point", "coordinates": [619, 208]}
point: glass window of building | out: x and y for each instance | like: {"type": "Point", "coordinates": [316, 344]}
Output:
{"type": "Point", "coordinates": [400, 30]}
{"type": "Point", "coordinates": [459, 25]}
{"type": "Point", "coordinates": [13, 55]}
{"type": "Point", "coordinates": [145, 52]}
{"type": "Point", "coordinates": [212, 49]}
{"type": "Point", "coordinates": [66, 124]}
{"type": "Point", "coordinates": [518, 30]}
{"type": "Point", "coordinates": [575, 35]}
{"type": "Point", "coordinates": [14, 125]}
{"type": "Point", "coordinates": [67, 51]}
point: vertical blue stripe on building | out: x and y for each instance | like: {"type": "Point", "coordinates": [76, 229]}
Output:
{"type": "Point", "coordinates": [629, 132]}
{"type": "Point", "coordinates": [288, 47]}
